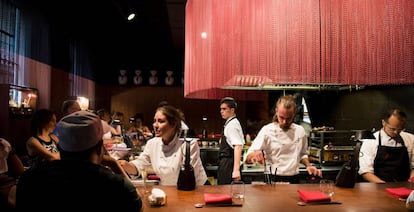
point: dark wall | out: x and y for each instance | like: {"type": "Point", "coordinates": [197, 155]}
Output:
{"type": "Point", "coordinates": [362, 109]}
{"type": "Point", "coordinates": [144, 99]}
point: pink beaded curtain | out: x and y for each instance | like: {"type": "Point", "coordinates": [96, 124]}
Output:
{"type": "Point", "coordinates": [266, 42]}
{"type": "Point", "coordinates": [368, 42]}
{"type": "Point", "coordinates": [250, 42]}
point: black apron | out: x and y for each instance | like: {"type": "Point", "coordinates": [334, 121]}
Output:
{"type": "Point", "coordinates": [392, 164]}
{"type": "Point", "coordinates": [226, 161]}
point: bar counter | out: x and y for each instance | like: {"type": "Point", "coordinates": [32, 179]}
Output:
{"type": "Point", "coordinates": [284, 197]}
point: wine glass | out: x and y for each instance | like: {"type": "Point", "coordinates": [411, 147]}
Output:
{"type": "Point", "coordinates": [143, 172]}
{"type": "Point", "coordinates": [327, 187]}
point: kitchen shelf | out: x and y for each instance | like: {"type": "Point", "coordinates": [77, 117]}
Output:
{"type": "Point", "coordinates": [332, 147]}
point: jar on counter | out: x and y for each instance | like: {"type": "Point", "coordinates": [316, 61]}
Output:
{"type": "Point", "coordinates": [248, 140]}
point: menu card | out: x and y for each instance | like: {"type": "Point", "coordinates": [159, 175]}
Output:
{"type": "Point", "coordinates": [211, 198]}
{"type": "Point", "coordinates": [313, 196]}
{"type": "Point", "coordinates": [400, 192]}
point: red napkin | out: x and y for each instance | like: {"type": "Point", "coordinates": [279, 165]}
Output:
{"type": "Point", "coordinates": [313, 196]}
{"type": "Point", "coordinates": [210, 198]}
{"type": "Point", "coordinates": [153, 177]}
{"type": "Point", "coordinates": [400, 192]}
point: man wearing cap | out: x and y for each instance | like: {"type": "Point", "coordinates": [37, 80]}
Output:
{"type": "Point", "coordinates": [71, 106]}
{"type": "Point", "coordinates": [77, 181]}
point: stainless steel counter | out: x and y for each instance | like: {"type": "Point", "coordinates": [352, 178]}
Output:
{"type": "Point", "coordinates": [250, 173]}
{"type": "Point", "coordinates": [256, 173]}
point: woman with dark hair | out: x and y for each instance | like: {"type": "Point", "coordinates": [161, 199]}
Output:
{"type": "Point", "coordinates": [42, 145]}
{"type": "Point", "coordinates": [165, 153]}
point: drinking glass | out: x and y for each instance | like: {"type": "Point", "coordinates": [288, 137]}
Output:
{"type": "Point", "coordinates": [237, 189]}
{"type": "Point", "coordinates": [143, 172]}
{"type": "Point", "coordinates": [327, 187]}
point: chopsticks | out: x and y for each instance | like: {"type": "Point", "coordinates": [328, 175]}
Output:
{"type": "Point", "coordinates": [267, 175]}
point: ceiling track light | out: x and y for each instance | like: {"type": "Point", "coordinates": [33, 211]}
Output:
{"type": "Point", "coordinates": [131, 16]}
{"type": "Point", "coordinates": [126, 10]}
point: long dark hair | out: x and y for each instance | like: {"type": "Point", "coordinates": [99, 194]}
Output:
{"type": "Point", "coordinates": [40, 120]}
{"type": "Point", "coordinates": [173, 115]}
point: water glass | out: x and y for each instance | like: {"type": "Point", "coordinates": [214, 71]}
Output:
{"type": "Point", "coordinates": [237, 190]}
{"type": "Point", "coordinates": [327, 187]}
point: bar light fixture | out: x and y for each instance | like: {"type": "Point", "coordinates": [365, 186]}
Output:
{"type": "Point", "coordinates": [126, 9]}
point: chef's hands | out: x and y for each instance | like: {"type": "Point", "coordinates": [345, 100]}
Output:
{"type": "Point", "coordinates": [128, 167]}
{"type": "Point", "coordinates": [255, 157]}
{"type": "Point", "coordinates": [314, 171]}
{"type": "Point", "coordinates": [259, 157]}
{"type": "Point", "coordinates": [236, 175]}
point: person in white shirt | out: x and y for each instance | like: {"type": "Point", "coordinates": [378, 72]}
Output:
{"type": "Point", "coordinates": [165, 153]}
{"type": "Point", "coordinates": [231, 144]}
{"type": "Point", "coordinates": [111, 134]}
{"type": "Point", "coordinates": [388, 157]}
{"type": "Point", "coordinates": [282, 145]}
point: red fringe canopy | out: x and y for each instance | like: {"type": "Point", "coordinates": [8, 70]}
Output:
{"type": "Point", "coordinates": [251, 44]}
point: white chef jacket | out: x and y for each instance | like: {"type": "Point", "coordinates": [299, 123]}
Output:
{"type": "Point", "coordinates": [283, 150]}
{"type": "Point", "coordinates": [166, 160]}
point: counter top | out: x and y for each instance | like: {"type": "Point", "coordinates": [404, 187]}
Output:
{"type": "Point", "coordinates": [284, 197]}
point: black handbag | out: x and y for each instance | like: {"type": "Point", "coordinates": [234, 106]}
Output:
{"type": "Point", "coordinates": [186, 178]}
{"type": "Point", "coordinates": [349, 171]}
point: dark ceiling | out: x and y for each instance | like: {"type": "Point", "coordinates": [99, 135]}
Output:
{"type": "Point", "coordinates": [154, 40]}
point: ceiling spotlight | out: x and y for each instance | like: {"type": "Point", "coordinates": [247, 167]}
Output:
{"type": "Point", "coordinates": [125, 9]}
{"type": "Point", "coordinates": [131, 16]}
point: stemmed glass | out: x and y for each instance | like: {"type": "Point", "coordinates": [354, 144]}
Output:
{"type": "Point", "coordinates": [143, 172]}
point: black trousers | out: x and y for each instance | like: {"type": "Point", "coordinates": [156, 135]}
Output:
{"type": "Point", "coordinates": [225, 170]}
